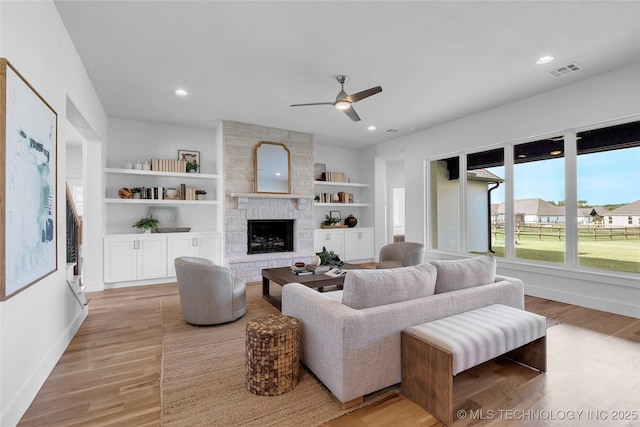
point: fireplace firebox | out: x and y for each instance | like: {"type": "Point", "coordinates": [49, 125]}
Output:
{"type": "Point", "coordinates": [269, 235]}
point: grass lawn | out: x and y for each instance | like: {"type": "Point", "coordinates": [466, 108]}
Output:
{"type": "Point", "coordinates": [617, 255]}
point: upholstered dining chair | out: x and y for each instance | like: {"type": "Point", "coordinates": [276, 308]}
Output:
{"type": "Point", "coordinates": [401, 254]}
{"type": "Point", "coordinates": [209, 294]}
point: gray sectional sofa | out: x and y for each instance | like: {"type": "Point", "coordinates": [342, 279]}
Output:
{"type": "Point", "coordinates": [350, 339]}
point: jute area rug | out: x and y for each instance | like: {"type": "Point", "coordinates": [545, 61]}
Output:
{"type": "Point", "coordinates": [203, 371]}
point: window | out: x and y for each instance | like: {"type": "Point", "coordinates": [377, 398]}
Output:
{"type": "Point", "coordinates": [445, 204]}
{"type": "Point", "coordinates": [485, 202]}
{"type": "Point", "coordinates": [606, 181]}
{"type": "Point", "coordinates": [539, 200]}
{"type": "Point", "coordinates": [608, 185]}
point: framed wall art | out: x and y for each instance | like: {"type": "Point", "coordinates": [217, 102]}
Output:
{"type": "Point", "coordinates": [191, 157]}
{"type": "Point", "coordinates": [28, 155]}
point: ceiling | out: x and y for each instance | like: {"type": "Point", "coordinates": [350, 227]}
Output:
{"type": "Point", "coordinates": [248, 61]}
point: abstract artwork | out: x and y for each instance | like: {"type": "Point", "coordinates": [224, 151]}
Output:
{"type": "Point", "coordinates": [28, 150]}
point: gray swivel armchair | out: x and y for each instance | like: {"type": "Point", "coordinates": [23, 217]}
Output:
{"type": "Point", "coordinates": [401, 254]}
{"type": "Point", "coordinates": [209, 294]}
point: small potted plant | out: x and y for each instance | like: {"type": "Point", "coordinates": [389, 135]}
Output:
{"type": "Point", "coordinates": [146, 224]}
{"type": "Point", "coordinates": [330, 221]}
{"type": "Point", "coordinates": [192, 167]}
{"type": "Point", "coordinates": [135, 191]}
{"type": "Point", "coordinates": [201, 195]}
{"type": "Point", "coordinates": [329, 258]}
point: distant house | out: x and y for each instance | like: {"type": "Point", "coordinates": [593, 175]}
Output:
{"type": "Point", "coordinates": [589, 215]}
{"type": "Point", "coordinates": [534, 211]}
{"type": "Point", "coordinates": [624, 216]}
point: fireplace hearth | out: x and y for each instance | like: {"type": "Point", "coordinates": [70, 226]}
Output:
{"type": "Point", "coordinates": [270, 235]}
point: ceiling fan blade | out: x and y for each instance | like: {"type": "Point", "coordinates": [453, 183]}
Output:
{"type": "Point", "coordinates": [314, 103]}
{"type": "Point", "coordinates": [364, 94]}
{"type": "Point", "coordinates": [352, 114]}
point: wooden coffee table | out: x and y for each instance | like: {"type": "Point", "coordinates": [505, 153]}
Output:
{"type": "Point", "coordinates": [284, 275]}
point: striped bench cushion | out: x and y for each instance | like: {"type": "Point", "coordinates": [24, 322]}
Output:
{"type": "Point", "coordinates": [482, 334]}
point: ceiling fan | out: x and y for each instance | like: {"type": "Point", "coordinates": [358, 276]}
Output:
{"type": "Point", "coordinates": [343, 100]}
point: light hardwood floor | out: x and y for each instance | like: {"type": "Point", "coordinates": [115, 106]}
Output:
{"type": "Point", "coordinates": [110, 373]}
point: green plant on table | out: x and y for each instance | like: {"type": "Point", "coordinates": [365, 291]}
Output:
{"type": "Point", "coordinates": [201, 192]}
{"type": "Point", "coordinates": [329, 258]}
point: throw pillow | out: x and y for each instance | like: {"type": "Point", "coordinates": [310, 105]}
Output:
{"type": "Point", "coordinates": [371, 288]}
{"type": "Point", "coordinates": [464, 273]}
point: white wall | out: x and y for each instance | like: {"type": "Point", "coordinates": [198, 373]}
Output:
{"type": "Point", "coordinates": [37, 324]}
{"type": "Point", "coordinates": [604, 99]}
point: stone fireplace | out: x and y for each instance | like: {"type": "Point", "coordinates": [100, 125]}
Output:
{"type": "Point", "coordinates": [270, 235]}
{"type": "Point", "coordinates": [242, 204]}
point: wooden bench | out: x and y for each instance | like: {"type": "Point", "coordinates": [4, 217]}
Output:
{"type": "Point", "coordinates": [434, 352]}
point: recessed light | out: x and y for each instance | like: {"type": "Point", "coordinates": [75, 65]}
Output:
{"type": "Point", "coordinates": [555, 152]}
{"type": "Point", "coordinates": [371, 128]}
{"type": "Point", "coordinates": [544, 59]}
{"type": "Point", "coordinates": [181, 92]}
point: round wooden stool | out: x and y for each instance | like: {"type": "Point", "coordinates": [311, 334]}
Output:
{"type": "Point", "coordinates": [272, 355]}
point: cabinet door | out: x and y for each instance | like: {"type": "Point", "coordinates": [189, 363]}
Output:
{"type": "Point", "coordinates": [152, 257]}
{"type": "Point", "coordinates": [178, 245]}
{"type": "Point", "coordinates": [358, 244]}
{"type": "Point", "coordinates": [119, 259]}
{"type": "Point", "coordinates": [366, 247]}
{"type": "Point", "coordinates": [208, 246]}
{"type": "Point", "coordinates": [333, 240]}
{"type": "Point", "coordinates": [351, 245]}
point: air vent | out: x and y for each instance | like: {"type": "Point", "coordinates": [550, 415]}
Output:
{"type": "Point", "coordinates": [391, 130]}
{"type": "Point", "coordinates": [558, 72]}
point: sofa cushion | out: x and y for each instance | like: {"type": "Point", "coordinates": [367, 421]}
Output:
{"type": "Point", "coordinates": [464, 273]}
{"type": "Point", "coordinates": [371, 288]}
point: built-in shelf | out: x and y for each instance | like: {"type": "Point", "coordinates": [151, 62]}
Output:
{"type": "Point", "coordinates": [161, 201]}
{"type": "Point", "coordinates": [342, 204]}
{"type": "Point", "coordinates": [340, 184]}
{"type": "Point", "coordinates": [161, 173]}
{"type": "Point", "coordinates": [272, 195]}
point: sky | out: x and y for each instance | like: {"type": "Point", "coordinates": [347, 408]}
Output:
{"type": "Point", "coordinates": [611, 177]}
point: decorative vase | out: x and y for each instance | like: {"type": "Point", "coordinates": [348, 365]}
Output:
{"type": "Point", "coordinates": [136, 195]}
{"type": "Point", "coordinates": [171, 192]}
{"type": "Point", "coordinates": [315, 260]}
{"type": "Point", "coordinates": [335, 197]}
{"type": "Point", "coordinates": [147, 231]}
{"type": "Point", "coordinates": [351, 221]}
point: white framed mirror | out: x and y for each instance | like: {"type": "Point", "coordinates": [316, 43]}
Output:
{"type": "Point", "coordinates": [272, 162]}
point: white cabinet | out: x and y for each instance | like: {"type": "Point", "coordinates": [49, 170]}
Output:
{"type": "Point", "coordinates": [129, 258]}
{"type": "Point", "coordinates": [358, 244]}
{"type": "Point", "coordinates": [333, 240]}
{"type": "Point", "coordinates": [350, 244]}
{"type": "Point", "coordinates": [202, 245]}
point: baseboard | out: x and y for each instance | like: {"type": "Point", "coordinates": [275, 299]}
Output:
{"type": "Point", "coordinates": [23, 397]}
{"type": "Point", "coordinates": [597, 303]}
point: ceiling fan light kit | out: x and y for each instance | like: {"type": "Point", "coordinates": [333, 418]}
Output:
{"type": "Point", "coordinates": [344, 101]}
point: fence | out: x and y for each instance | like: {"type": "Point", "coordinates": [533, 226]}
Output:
{"type": "Point", "coordinates": [557, 231]}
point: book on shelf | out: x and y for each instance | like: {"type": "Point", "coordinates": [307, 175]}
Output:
{"type": "Point", "coordinates": [342, 197]}
{"type": "Point", "coordinates": [169, 165]}
{"type": "Point", "coordinates": [334, 177]}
